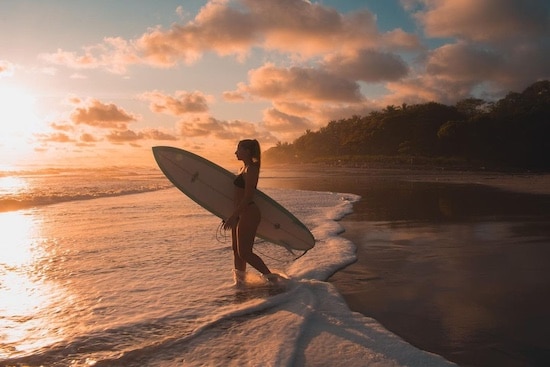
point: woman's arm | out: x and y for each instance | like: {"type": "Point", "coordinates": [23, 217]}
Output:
{"type": "Point", "coordinates": [251, 181]}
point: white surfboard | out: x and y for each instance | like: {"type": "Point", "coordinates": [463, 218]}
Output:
{"type": "Point", "coordinates": [211, 186]}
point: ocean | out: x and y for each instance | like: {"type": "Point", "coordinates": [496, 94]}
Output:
{"type": "Point", "coordinates": [118, 268]}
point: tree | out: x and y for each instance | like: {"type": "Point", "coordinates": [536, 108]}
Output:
{"type": "Point", "coordinates": [510, 132]}
{"type": "Point", "coordinates": [471, 106]}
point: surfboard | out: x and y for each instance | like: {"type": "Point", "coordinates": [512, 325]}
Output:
{"type": "Point", "coordinates": [211, 186]}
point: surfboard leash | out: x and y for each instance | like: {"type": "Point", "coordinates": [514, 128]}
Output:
{"type": "Point", "coordinates": [221, 233]}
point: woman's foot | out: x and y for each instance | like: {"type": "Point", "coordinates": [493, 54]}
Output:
{"type": "Point", "coordinates": [239, 277]}
{"type": "Point", "coordinates": [273, 278]}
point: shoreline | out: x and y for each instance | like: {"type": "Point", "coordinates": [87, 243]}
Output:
{"type": "Point", "coordinates": [401, 165]}
{"type": "Point", "coordinates": [356, 281]}
{"type": "Point", "coordinates": [298, 176]}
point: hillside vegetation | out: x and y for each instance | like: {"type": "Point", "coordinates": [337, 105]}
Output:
{"type": "Point", "coordinates": [510, 133]}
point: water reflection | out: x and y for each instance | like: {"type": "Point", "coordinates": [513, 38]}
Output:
{"type": "Point", "coordinates": [457, 269]}
{"type": "Point", "coordinates": [26, 295]}
{"type": "Point", "coordinates": [406, 197]}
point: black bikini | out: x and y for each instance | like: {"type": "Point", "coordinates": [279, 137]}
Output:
{"type": "Point", "coordinates": [239, 181]}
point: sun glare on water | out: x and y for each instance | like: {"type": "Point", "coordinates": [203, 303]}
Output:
{"type": "Point", "coordinates": [25, 293]}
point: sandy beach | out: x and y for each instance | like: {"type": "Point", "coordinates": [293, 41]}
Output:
{"type": "Point", "coordinates": [453, 262]}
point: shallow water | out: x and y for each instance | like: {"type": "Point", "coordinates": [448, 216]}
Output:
{"type": "Point", "coordinates": [121, 272]}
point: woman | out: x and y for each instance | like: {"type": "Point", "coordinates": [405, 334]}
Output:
{"type": "Point", "coordinates": [246, 215]}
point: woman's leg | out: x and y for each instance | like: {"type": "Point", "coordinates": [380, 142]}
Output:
{"type": "Point", "coordinates": [239, 262]}
{"type": "Point", "coordinates": [246, 233]}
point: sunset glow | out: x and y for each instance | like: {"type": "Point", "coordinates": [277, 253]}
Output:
{"type": "Point", "coordinates": [204, 74]}
{"type": "Point", "coordinates": [16, 114]}
{"type": "Point", "coordinates": [18, 124]}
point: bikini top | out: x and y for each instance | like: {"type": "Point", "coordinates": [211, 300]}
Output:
{"type": "Point", "coordinates": [239, 181]}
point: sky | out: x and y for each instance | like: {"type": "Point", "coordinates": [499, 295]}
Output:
{"type": "Point", "coordinates": [98, 83]}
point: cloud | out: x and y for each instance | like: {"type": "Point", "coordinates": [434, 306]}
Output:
{"type": "Point", "coordinates": [419, 90]}
{"type": "Point", "coordinates": [234, 28]}
{"type": "Point", "coordinates": [102, 115]}
{"type": "Point", "coordinates": [233, 96]}
{"type": "Point", "coordinates": [463, 62]}
{"type": "Point", "coordinates": [183, 102]}
{"type": "Point", "coordinates": [155, 134]}
{"type": "Point", "coordinates": [462, 67]}
{"type": "Point", "coordinates": [321, 61]}
{"type": "Point", "coordinates": [308, 97]}
{"type": "Point", "coordinates": [90, 118]}
{"type": "Point", "coordinates": [368, 66]}
{"type": "Point", "coordinates": [88, 138]}
{"type": "Point", "coordinates": [315, 115]}
{"type": "Point", "coordinates": [126, 136]}
{"type": "Point", "coordinates": [287, 26]}
{"type": "Point", "coordinates": [485, 21]}
{"type": "Point", "coordinates": [115, 54]}
{"type": "Point", "coordinates": [278, 121]}
{"type": "Point", "coordinates": [271, 82]}
{"type": "Point", "coordinates": [210, 127]}
{"type": "Point", "coordinates": [62, 127]}
{"type": "Point", "coordinates": [493, 47]}
{"type": "Point", "coordinates": [123, 136]}
{"type": "Point", "coordinates": [54, 138]}
{"type": "Point", "coordinates": [310, 29]}
{"type": "Point", "coordinates": [398, 39]}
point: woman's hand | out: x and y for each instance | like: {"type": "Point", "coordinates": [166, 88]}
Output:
{"type": "Point", "coordinates": [230, 222]}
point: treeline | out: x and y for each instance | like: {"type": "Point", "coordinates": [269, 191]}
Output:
{"type": "Point", "coordinates": [510, 133]}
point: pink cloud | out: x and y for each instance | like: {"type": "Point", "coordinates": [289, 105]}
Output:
{"type": "Point", "coordinates": [485, 21]}
{"type": "Point", "coordinates": [287, 26]}
{"type": "Point", "coordinates": [368, 66]}
{"type": "Point", "coordinates": [278, 121]}
{"type": "Point", "coordinates": [328, 57]}
{"type": "Point", "coordinates": [201, 127]}
{"type": "Point", "coordinates": [126, 136]}
{"type": "Point", "coordinates": [62, 127]}
{"type": "Point", "coordinates": [271, 82]}
{"type": "Point", "coordinates": [311, 29]}
{"type": "Point", "coordinates": [123, 136]}
{"type": "Point", "coordinates": [115, 54]}
{"type": "Point", "coordinates": [425, 88]}
{"type": "Point", "coordinates": [458, 68]}
{"type": "Point", "coordinates": [210, 127]}
{"type": "Point", "coordinates": [54, 138]}
{"type": "Point", "coordinates": [234, 28]}
{"type": "Point", "coordinates": [183, 102]}
{"type": "Point", "coordinates": [155, 134]}
{"type": "Point", "coordinates": [102, 115]}
{"type": "Point", "coordinates": [496, 46]}
{"type": "Point", "coordinates": [463, 62]}
{"type": "Point", "coordinates": [292, 118]}
{"type": "Point", "coordinates": [233, 96]}
{"type": "Point", "coordinates": [88, 138]}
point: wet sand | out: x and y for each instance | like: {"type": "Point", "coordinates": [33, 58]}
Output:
{"type": "Point", "coordinates": [453, 262]}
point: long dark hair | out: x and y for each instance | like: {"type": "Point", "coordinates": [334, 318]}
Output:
{"type": "Point", "coordinates": [253, 146]}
